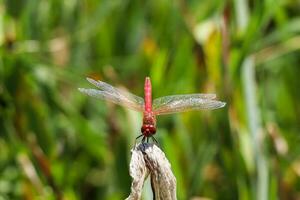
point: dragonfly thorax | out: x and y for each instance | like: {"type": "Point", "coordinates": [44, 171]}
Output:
{"type": "Point", "coordinates": [149, 125]}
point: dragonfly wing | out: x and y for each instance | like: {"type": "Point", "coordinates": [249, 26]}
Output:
{"type": "Point", "coordinates": [120, 100]}
{"type": "Point", "coordinates": [182, 103]}
{"type": "Point", "coordinates": [163, 101]}
{"type": "Point", "coordinates": [115, 91]}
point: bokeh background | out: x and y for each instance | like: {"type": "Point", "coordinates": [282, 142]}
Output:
{"type": "Point", "coordinates": [56, 143]}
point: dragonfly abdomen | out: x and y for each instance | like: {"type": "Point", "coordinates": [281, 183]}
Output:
{"type": "Point", "coordinates": [148, 95]}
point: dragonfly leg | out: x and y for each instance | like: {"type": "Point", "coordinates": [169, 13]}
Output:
{"type": "Point", "coordinates": [143, 140]}
{"type": "Point", "coordinates": [143, 143]}
{"type": "Point", "coordinates": [147, 139]}
{"type": "Point", "coordinates": [153, 138]}
{"type": "Point", "coordinates": [136, 139]}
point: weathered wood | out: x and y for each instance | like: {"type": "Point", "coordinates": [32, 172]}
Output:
{"type": "Point", "coordinates": [149, 159]}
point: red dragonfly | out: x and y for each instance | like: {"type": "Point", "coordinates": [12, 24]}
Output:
{"type": "Point", "coordinates": [160, 106]}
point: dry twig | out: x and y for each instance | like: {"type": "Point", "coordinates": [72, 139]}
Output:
{"type": "Point", "coordinates": [149, 159]}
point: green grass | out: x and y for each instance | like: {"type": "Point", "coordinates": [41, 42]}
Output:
{"type": "Point", "coordinates": [57, 143]}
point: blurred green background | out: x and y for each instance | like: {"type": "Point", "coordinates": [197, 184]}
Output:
{"type": "Point", "coordinates": [56, 143]}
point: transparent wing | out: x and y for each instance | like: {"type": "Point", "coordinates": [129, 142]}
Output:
{"type": "Point", "coordinates": [182, 103]}
{"type": "Point", "coordinates": [110, 93]}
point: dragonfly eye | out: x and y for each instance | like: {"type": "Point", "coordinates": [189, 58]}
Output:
{"type": "Point", "coordinates": [148, 130]}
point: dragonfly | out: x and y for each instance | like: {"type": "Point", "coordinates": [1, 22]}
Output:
{"type": "Point", "coordinates": [160, 106]}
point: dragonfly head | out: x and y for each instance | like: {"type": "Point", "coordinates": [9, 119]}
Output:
{"type": "Point", "coordinates": [148, 130]}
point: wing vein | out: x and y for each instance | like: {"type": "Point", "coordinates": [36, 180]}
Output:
{"type": "Point", "coordinates": [183, 103]}
{"type": "Point", "coordinates": [117, 96]}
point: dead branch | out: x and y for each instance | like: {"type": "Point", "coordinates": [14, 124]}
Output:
{"type": "Point", "coordinates": [149, 159]}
